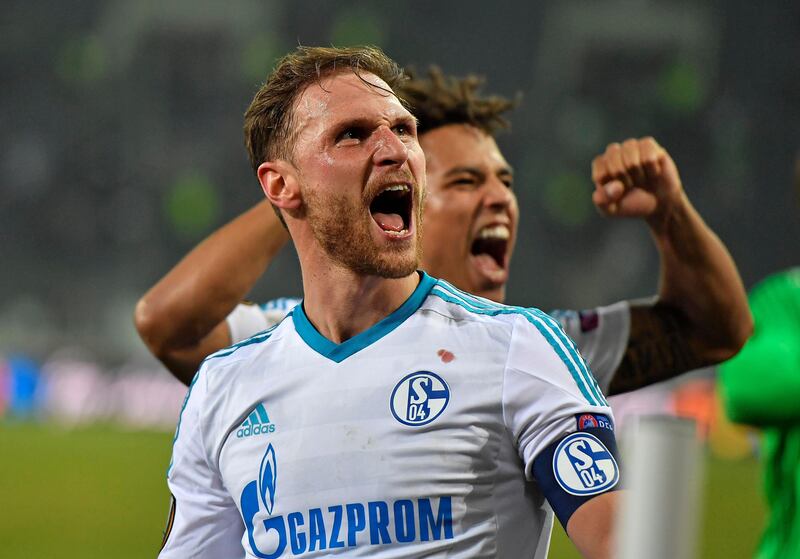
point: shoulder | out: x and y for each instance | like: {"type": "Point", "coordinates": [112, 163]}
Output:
{"type": "Point", "coordinates": [459, 305]}
{"type": "Point", "coordinates": [455, 304]}
{"type": "Point", "coordinates": [217, 367]}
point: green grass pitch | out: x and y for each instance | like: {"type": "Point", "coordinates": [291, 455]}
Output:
{"type": "Point", "coordinates": [101, 492]}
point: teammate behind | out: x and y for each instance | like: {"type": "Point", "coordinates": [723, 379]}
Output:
{"type": "Point", "coordinates": [471, 215]}
{"type": "Point", "coordinates": [406, 411]}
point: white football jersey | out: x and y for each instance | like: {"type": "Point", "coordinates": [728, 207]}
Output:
{"type": "Point", "coordinates": [415, 438]}
{"type": "Point", "coordinates": [601, 334]}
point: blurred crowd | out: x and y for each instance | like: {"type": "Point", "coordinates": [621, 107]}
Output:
{"type": "Point", "coordinates": [70, 390]}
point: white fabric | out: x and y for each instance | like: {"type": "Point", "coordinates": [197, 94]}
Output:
{"type": "Point", "coordinates": [602, 347]}
{"type": "Point", "coordinates": [334, 442]}
{"type": "Point", "coordinates": [248, 319]}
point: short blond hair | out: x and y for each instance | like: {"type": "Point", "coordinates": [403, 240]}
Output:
{"type": "Point", "coordinates": [268, 129]}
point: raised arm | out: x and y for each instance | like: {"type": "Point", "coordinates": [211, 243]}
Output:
{"type": "Point", "coordinates": [181, 318]}
{"type": "Point", "coordinates": [700, 316]}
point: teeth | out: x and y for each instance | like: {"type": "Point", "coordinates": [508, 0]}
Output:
{"type": "Point", "coordinates": [396, 233]}
{"type": "Point", "coordinates": [495, 232]}
{"type": "Point", "coordinates": [396, 187]}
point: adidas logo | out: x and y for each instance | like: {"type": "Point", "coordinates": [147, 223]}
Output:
{"type": "Point", "coordinates": [257, 423]}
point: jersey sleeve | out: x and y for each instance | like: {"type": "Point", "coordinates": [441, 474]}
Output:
{"type": "Point", "coordinates": [546, 385]}
{"type": "Point", "coordinates": [760, 386]}
{"type": "Point", "coordinates": [601, 335]}
{"type": "Point", "coordinates": [203, 521]}
{"type": "Point", "coordinates": [557, 416]}
{"type": "Point", "coordinates": [248, 319]}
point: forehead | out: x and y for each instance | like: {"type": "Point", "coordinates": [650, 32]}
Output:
{"type": "Point", "coordinates": [345, 96]}
{"type": "Point", "coordinates": [461, 145]}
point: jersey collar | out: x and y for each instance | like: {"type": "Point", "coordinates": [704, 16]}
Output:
{"type": "Point", "coordinates": [340, 352]}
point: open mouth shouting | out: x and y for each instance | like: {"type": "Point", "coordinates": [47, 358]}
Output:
{"type": "Point", "coordinates": [490, 252]}
{"type": "Point", "coordinates": [391, 209]}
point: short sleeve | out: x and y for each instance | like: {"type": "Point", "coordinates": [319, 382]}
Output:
{"type": "Point", "coordinates": [248, 319]}
{"type": "Point", "coordinates": [547, 385]}
{"type": "Point", "coordinates": [204, 521]}
{"type": "Point", "coordinates": [602, 335]}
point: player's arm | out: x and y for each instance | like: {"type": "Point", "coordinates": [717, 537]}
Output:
{"type": "Point", "coordinates": [181, 318]}
{"type": "Point", "coordinates": [588, 518]}
{"type": "Point", "coordinates": [761, 385]}
{"type": "Point", "coordinates": [700, 316]}
{"type": "Point", "coordinates": [565, 434]}
{"type": "Point", "coordinates": [203, 520]}
{"type": "Point", "coordinates": [591, 526]}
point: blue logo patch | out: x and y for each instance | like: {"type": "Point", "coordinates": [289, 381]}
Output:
{"type": "Point", "coordinates": [594, 420]}
{"type": "Point", "coordinates": [583, 465]}
{"type": "Point", "coordinates": [419, 398]}
{"type": "Point", "coordinates": [268, 478]}
{"type": "Point", "coordinates": [257, 423]}
{"type": "Point", "coordinates": [335, 526]}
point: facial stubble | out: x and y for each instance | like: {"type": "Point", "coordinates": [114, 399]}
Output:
{"type": "Point", "coordinates": [343, 231]}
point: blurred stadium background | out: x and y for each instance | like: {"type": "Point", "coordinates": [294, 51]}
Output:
{"type": "Point", "coordinates": [121, 148]}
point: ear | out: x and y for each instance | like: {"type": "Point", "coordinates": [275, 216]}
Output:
{"type": "Point", "coordinates": [280, 185]}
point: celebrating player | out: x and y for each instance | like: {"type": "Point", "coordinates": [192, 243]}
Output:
{"type": "Point", "coordinates": [699, 317]}
{"type": "Point", "coordinates": [390, 414]}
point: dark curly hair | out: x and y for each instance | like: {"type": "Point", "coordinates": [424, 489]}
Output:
{"type": "Point", "coordinates": [439, 100]}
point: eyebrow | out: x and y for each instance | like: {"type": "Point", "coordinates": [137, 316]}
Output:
{"type": "Point", "coordinates": [354, 122]}
{"type": "Point", "coordinates": [366, 122]}
{"type": "Point", "coordinates": [505, 170]}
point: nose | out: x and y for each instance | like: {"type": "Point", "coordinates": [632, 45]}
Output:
{"type": "Point", "coordinates": [498, 195]}
{"type": "Point", "coordinates": [389, 149]}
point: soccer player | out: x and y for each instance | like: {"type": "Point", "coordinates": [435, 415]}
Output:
{"type": "Point", "coordinates": [761, 387]}
{"type": "Point", "coordinates": [390, 414]}
{"type": "Point", "coordinates": [699, 317]}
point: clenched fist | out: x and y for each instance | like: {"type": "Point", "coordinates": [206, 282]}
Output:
{"type": "Point", "coordinates": [636, 179]}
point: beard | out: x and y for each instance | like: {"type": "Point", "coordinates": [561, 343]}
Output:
{"type": "Point", "coordinates": [343, 231]}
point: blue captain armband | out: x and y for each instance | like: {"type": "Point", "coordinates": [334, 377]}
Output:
{"type": "Point", "coordinates": [577, 468]}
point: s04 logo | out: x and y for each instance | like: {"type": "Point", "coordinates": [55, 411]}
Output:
{"type": "Point", "coordinates": [419, 398]}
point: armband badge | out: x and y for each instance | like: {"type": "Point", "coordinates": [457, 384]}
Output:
{"type": "Point", "coordinates": [583, 465]}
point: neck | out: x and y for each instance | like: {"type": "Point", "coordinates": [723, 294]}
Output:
{"type": "Point", "coordinates": [341, 304]}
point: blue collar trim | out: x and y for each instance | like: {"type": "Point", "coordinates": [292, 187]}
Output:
{"type": "Point", "coordinates": [340, 352]}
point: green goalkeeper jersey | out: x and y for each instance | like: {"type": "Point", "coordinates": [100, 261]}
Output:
{"type": "Point", "coordinates": [761, 387]}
